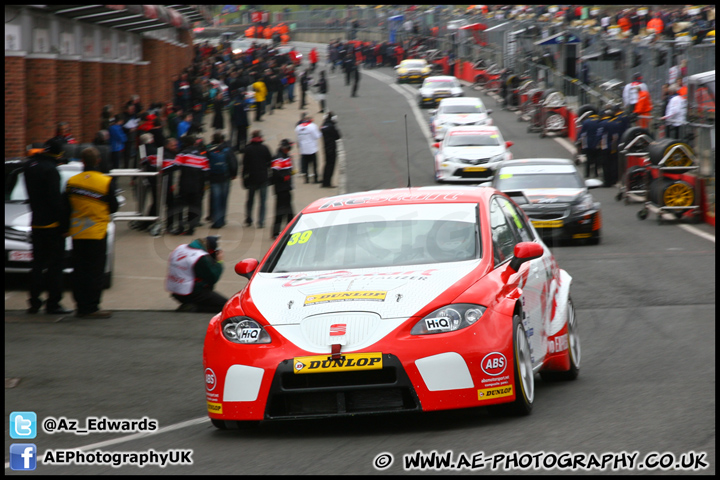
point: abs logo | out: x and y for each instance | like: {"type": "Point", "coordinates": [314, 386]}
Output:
{"type": "Point", "coordinates": [210, 379]}
{"type": "Point", "coordinates": [494, 364]}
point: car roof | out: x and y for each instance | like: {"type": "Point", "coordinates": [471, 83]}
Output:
{"type": "Point", "coordinates": [444, 78]}
{"type": "Point", "coordinates": [402, 196]}
{"type": "Point", "coordinates": [470, 129]}
{"type": "Point", "coordinates": [461, 101]}
{"type": "Point", "coordinates": [537, 161]}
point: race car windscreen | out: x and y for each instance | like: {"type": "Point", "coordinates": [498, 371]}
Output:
{"type": "Point", "coordinates": [413, 65]}
{"type": "Point", "coordinates": [375, 237]}
{"type": "Point", "coordinates": [471, 140]}
{"type": "Point", "coordinates": [461, 109]}
{"type": "Point", "coordinates": [437, 85]}
{"type": "Point", "coordinates": [515, 181]}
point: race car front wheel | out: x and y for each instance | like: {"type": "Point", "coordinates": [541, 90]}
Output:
{"type": "Point", "coordinates": [523, 373]}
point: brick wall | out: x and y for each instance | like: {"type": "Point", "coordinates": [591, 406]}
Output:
{"type": "Point", "coordinates": [15, 108]}
{"type": "Point", "coordinates": [142, 81]}
{"type": "Point", "coordinates": [110, 87]}
{"type": "Point", "coordinates": [128, 84]}
{"type": "Point", "coordinates": [92, 99]}
{"type": "Point", "coordinates": [41, 92]}
{"type": "Point", "coordinates": [68, 107]}
{"type": "Point", "coordinates": [41, 99]}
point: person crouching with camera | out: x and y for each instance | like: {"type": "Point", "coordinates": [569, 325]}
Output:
{"type": "Point", "coordinates": [193, 271]}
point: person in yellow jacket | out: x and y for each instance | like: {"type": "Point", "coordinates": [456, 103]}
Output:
{"type": "Point", "coordinates": [260, 94]}
{"type": "Point", "coordinates": [643, 108]}
{"type": "Point", "coordinates": [90, 199]}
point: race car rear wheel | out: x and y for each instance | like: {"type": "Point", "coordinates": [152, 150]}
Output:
{"type": "Point", "coordinates": [523, 373]}
{"type": "Point", "coordinates": [574, 350]}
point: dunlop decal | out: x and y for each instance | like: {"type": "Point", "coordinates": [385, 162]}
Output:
{"type": "Point", "coordinates": [344, 297]}
{"type": "Point", "coordinates": [346, 363]}
{"type": "Point", "coordinates": [214, 407]}
{"type": "Point", "coordinates": [497, 392]}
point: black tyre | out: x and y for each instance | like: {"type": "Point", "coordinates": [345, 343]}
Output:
{"type": "Point", "coordinates": [574, 351]}
{"type": "Point", "coordinates": [628, 137]}
{"type": "Point", "coordinates": [547, 92]}
{"type": "Point", "coordinates": [586, 108]}
{"type": "Point", "coordinates": [660, 148]}
{"type": "Point", "coordinates": [522, 372]}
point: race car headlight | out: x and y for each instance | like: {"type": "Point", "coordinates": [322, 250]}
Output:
{"type": "Point", "coordinates": [497, 158]}
{"type": "Point", "coordinates": [586, 203]}
{"type": "Point", "coordinates": [449, 319]}
{"type": "Point", "coordinates": [244, 330]}
{"type": "Point", "coordinates": [402, 71]}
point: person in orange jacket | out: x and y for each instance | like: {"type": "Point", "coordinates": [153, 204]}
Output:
{"type": "Point", "coordinates": [643, 108]}
{"type": "Point", "coordinates": [313, 59]}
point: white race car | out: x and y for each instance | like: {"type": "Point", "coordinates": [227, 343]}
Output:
{"type": "Point", "coordinates": [436, 88]}
{"type": "Point", "coordinates": [455, 112]}
{"type": "Point", "coordinates": [470, 154]}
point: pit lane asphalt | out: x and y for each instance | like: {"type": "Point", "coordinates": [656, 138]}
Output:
{"type": "Point", "coordinates": [645, 300]}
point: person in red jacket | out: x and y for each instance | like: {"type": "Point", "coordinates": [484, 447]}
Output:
{"type": "Point", "coordinates": [643, 108]}
{"type": "Point", "coordinates": [313, 59]}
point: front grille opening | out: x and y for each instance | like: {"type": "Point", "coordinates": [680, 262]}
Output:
{"type": "Point", "coordinates": [292, 380]}
{"type": "Point", "coordinates": [339, 403]}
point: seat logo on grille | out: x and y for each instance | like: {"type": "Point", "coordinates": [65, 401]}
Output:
{"type": "Point", "coordinates": [338, 329]}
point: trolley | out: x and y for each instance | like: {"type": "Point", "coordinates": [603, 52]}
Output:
{"type": "Point", "coordinates": [635, 163]}
{"type": "Point", "coordinates": [672, 192]}
{"type": "Point", "coordinates": [553, 114]}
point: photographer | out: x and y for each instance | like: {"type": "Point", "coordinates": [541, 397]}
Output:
{"type": "Point", "coordinates": [193, 271]}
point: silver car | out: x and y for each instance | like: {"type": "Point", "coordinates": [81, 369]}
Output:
{"type": "Point", "coordinates": [18, 245]}
{"type": "Point", "coordinates": [438, 87]}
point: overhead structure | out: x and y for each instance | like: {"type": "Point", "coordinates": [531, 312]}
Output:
{"type": "Point", "coordinates": [131, 18]}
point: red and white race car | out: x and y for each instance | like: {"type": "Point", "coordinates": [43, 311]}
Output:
{"type": "Point", "coordinates": [415, 299]}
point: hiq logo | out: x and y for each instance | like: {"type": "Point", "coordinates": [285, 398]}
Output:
{"type": "Point", "coordinates": [23, 456]}
{"type": "Point", "coordinates": [23, 425]}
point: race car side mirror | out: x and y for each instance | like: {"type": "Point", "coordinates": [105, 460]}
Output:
{"type": "Point", "coordinates": [523, 252]}
{"type": "Point", "coordinates": [509, 144]}
{"type": "Point", "coordinates": [436, 145]}
{"type": "Point", "coordinates": [489, 111]}
{"type": "Point", "coordinates": [397, 66]}
{"type": "Point", "coordinates": [245, 268]}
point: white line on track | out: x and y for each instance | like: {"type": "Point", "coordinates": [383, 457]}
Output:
{"type": "Point", "coordinates": [698, 232]}
{"type": "Point", "coordinates": [128, 438]}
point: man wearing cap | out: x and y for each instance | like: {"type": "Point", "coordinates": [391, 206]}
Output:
{"type": "Point", "coordinates": [630, 92]}
{"type": "Point", "coordinates": [282, 170]}
{"type": "Point", "coordinates": [49, 225]}
{"type": "Point", "coordinates": [308, 134]}
{"type": "Point", "coordinates": [193, 271]}
{"type": "Point", "coordinates": [256, 164]}
{"type": "Point", "coordinates": [90, 198]}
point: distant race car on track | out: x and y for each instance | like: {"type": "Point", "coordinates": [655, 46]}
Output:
{"type": "Point", "coordinates": [555, 197]}
{"type": "Point", "coordinates": [470, 154]}
{"type": "Point", "coordinates": [412, 70]}
{"type": "Point", "coordinates": [458, 112]}
{"type": "Point", "coordinates": [398, 300]}
{"type": "Point", "coordinates": [436, 88]}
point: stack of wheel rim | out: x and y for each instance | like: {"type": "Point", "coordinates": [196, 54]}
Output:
{"type": "Point", "coordinates": [552, 121]}
{"type": "Point", "coordinates": [665, 191]}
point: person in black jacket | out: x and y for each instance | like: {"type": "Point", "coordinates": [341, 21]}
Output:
{"type": "Point", "coordinates": [239, 120]}
{"type": "Point", "coordinates": [49, 226]}
{"type": "Point", "coordinates": [355, 79]}
{"type": "Point", "coordinates": [256, 163]}
{"type": "Point", "coordinates": [330, 136]}
{"type": "Point", "coordinates": [304, 85]}
{"type": "Point", "coordinates": [322, 87]}
{"type": "Point", "coordinates": [194, 167]}
{"type": "Point", "coordinates": [282, 171]}
{"type": "Point", "coordinates": [223, 169]}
